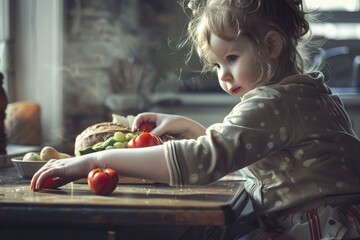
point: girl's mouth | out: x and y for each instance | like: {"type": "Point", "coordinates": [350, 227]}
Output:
{"type": "Point", "coordinates": [235, 91]}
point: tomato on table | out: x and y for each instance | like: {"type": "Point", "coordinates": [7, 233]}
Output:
{"type": "Point", "coordinates": [51, 183]}
{"type": "Point", "coordinates": [145, 139]}
{"type": "Point", "coordinates": [102, 181]}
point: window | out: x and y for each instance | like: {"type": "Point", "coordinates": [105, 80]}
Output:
{"type": "Point", "coordinates": [339, 26]}
{"type": "Point", "coordinates": [4, 37]}
{"type": "Point", "coordinates": [334, 5]}
{"type": "Point", "coordinates": [340, 21]}
{"type": "Point", "coordinates": [31, 53]}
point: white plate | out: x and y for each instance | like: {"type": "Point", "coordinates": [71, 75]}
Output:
{"type": "Point", "coordinates": [27, 168]}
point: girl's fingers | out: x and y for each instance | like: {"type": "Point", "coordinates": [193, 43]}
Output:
{"type": "Point", "coordinates": [47, 171]}
{"type": "Point", "coordinates": [142, 118]}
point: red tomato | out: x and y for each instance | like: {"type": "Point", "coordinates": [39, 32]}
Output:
{"type": "Point", "coordinates": [145, 139]}
{"type": "Point", "coordinates": [51, 183]}
{"type": "Point", "coordinates": [146, 127]}
{"type": "Point", "coordinates": [102, 181]}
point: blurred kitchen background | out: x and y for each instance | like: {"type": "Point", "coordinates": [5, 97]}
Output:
{"type": "Point", "coordinates": [81, 60]}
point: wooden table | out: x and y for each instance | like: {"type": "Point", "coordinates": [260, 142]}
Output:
{"type": "Point", "coordinates": [129, 205]}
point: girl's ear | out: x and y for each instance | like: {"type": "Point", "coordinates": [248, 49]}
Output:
{"type": "Point", "coordinates": [274, 44]}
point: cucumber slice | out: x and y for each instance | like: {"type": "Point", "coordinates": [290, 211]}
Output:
{"type": "Point", "coordinates": [85, 151]}
{"type": "Point", "coordinates": [108, 142]}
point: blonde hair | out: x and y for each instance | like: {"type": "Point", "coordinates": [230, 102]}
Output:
{"type": "Point", "coordinates": [228, 19]}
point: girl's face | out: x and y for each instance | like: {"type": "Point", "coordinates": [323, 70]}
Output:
{"type": "Point", "coordinates": [234, 62]}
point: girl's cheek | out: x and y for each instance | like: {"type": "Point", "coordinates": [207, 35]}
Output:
{"type": "Point", "coordinates": [251, 72]}
{"type": "Point", "coordinates": [245, 71]}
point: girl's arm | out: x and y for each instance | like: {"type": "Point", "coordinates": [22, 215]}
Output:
{"type": "Point", "coordinates": [148, 163]}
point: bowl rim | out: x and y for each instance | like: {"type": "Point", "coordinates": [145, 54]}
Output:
{"type": "Point", "coordinates": [19, 160]}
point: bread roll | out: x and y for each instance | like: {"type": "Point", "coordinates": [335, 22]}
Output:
{"type": "Point", "coordinates": [98, 133]}
{"type": "Point", "coordinates": [23, 123]}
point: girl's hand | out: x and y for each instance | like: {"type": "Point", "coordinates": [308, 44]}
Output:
{"type": "Point", "coordinates": [66, 170]}
{"type": "Point", "coordinates": [174, 125]}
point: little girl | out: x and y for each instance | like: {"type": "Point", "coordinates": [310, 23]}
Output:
{"type": "Point", "coordinates": [289, 136]}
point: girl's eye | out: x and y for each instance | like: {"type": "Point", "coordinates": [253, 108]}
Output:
{"type": "Point", "coordinates": [231, 58]}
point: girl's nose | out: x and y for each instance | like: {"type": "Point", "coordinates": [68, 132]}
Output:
{"type": "Point", "coordinates": [224, 75]}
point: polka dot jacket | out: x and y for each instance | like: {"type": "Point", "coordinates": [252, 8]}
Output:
{"type": "Point", "coordinates": [292, 141]}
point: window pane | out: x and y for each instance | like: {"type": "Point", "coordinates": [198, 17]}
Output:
{"type": "Point", "coordinates": [338, 31]}
{"type": "Point", "coordinates": [334, 5]}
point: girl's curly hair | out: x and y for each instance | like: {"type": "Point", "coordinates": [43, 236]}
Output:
{"type": "Point", "coordinates": [228, 19]}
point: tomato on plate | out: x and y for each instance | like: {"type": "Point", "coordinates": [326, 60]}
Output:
{"type": "Point", "coordinates": [102, 181]}
{"type": "Point", "coordinates": [146, 127]}
{"type": "Point", "coordinates": [145, 139]}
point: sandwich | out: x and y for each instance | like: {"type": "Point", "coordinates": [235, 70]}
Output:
{"type": "Point", "coordinates": [100, 132]}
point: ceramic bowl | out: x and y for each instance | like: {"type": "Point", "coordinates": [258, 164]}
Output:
{"type": "Point", "coordinates": [27, 168]}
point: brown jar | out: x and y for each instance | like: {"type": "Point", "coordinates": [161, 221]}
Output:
{"type": "Point", "coordinates": [3, 105]}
